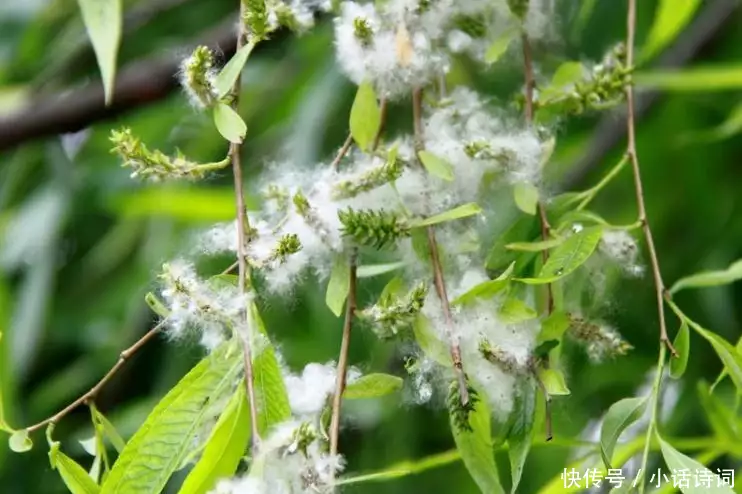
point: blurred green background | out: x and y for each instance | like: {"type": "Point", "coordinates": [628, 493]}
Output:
{"type": "Point", "coordinates": [81, 243]}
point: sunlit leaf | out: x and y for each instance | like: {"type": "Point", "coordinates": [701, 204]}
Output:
{"type": "Point", "coordinates": [337, 287]}
{"type": "Point", "coordinates": [19, 441]}
{"type": "Point", "coordinates": [677, 461]}
{"type": "Point", "coordinates": [372, 386]}
{"type": "Point", "coordinates": [710, 278]}
{"type": "Point", "coordinates": [553, 327]}
{"type": "Point", "coordinates": [553, 381]}
{"type": "Point", "coordinates": [514, 310]}
{"type": "Point", "coordinates": [157, 306]}
{"type": "Point", "coordinates": [110, 431]}
{"type": "Point", "coordinates": [102, 20]}
{"type": "Point", "coordinates": [433, 347]}
{"type": "Point", "coordinates": [521, 432]}
{"type": "Point", "coordinates": [526, 197]}
{"type": "Point", "coordinates": [456, 213]}
{"type": "Point", "coordinates": [620, 415]}
{"type": "Point", "coordinates": [77, 480]}
{"type": "Point", "coordinates": [232, 70]}
{"type": "Point", "coordinates": [229, 123]}
{"type": "Point", "coordinates": [682, 346]}
{"type": "Point", "coordinates": [498, 47]}
{"type": "Point", "coordinates": [405, 468]}
{"type": "Point", "coordinates": [476, 449]}
{"type": "Point", "coordinates": [371, 270]}
{"type": "Point", "coordinates": [567, 257]}
{"type": "Point", "coordinates": [436, 166]}
{"type": "Point", "coordinates": [224, 449]}
{"type": "Point", "coordinates": [537, 246]}
{"type": "Point", "coordinates": [699, 78]}
{"type": "Point", "coordinates": [365, 116]}
{"type": "Point", "coordinates": [669, 20]}
{"type": "Point", "coordinates": [486, 289]}
{"type": "Point", "coordinates": [166, 437]}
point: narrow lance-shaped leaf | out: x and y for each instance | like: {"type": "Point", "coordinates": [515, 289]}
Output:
{"type": "Point", "coordinates": [620, 415]}
{"type": "Point", "coordinates": [526, 197]}
{"type": "Point", "coordinates": [166, 437]}
{"type": "Point", "coordinates": [484, 290]}
{"type": "Point", "coordinates": [730, 357]}
{"type": "Point", "coordinates": [568, 256]}
{"type": "Point", "coordinates": [337, 287]}
{"type": "Point", "coordinates": [682, 346]}
{"type": "Point", "coordinates": [224, 449]}
{"type": "Point", "coordinates": [710, 278]}
{"type": "Point", "coordinates": [73, 475]}
{"type": "Point", "coordinates": [229, 123]}
{"type": "Point", "coordinates": [436, 166]}
{"type": "Point", "coordinates": [498, 47]}
{"type": "Point", "coordinates": [537, 246]}
{"type": "Point", "coordinates": [365, 116]}
{"type": "Point", "coordinates": [456, 213]}
{"type": "Point", "coordinates": [669, 20]}
{"type": "Point", "coordinates": [476, 449]}
{"type": "Point", "coordinates": [102, 20]}
{"type": "Point", "coordinates": [553, 381]}
{"type": "Point", "coordinates": [229, 74]}
{"type": "Point", "coordinates": [514, 310]}
{"type": "Point", "coordinates": [521, 432]}
{"type": "Point", "coordinates": [371, 270]}
{"type": "Point", "coordinates": [372, 386]}
{"type": "Point", "coordinates": [677, 461]}
{"type": "Point", "coordinates": [433, 347]}
{"type": "Point", "coordinates": [703, 78]}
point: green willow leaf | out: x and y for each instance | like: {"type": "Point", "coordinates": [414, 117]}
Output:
{"type": "Point", "coordinates": [224, 449]}
{"type": "Point", "coordinates": [719, 416]}
{"type": "Point", "coordinates": [372, 386]}
{"type": "Point", "coordinates": [521, 432]}
{"type": "Point", "coordinates": [729, 355]}
{"type": "Point", "coordinates": [499, 257]}
{"type": "Point", "coordinates": [433, 347]}
{"type": "Point", "coordinates": [710, 278]}
{"type": "Point", "coordinates": [365, 116]}
{"type": "Point", "coordinates": [484, 290]}
{"type": "Point", "coordinates": [498, 47]}
{"type": "Point", "coordinates": [553, 327]}
{"type": "Point", "coordinates": [677, 461]}
{"type": "Point", "coordinates": [476, 449]}
{"type": "Point", "coordinates": [77, 480]}
{"type": "Point", "coordinates": [700, 78]}
{"type": "Point", "coordinates": [232, 70]}
{"type": "Point", "coordinates": [456, 213]}
{"type": "Point", "coordinates": [669, 20]}
{"type": "Point", "coordinates": [166, 437]}
{"type": "Point", "coordinates": [229, 123]}
{"type": "Point", "coordinates": [514, 310]}
{"type": "Point", "coordinates": [569, 256]}
{"type": "Point", "coordinates": [110, 431]}
{"type": "Point", "coordinates": [405, 468]}
{"type": "Point", "coordinates": [526, 197]}
{"type": "Point", "coordinates": [553, 381]}
{"type": "Point", "coordinates": [436, 166]}
{"type": "Point", "coordinates": [19, 442]}
{"type": "Point", "coordinates": [620, 415]}
{"type": "Point", "coordinates": [337, 287]}
{"type": "Point", "coordinates": [371, 270]}
{"type": "Point", "coordinates": [271, 397]}
{"type": "Point", "coordinates": [537, 246]}
{"type": "Point", "coordinates": [103, 22]}
{"type": "Point", "coordinates": [682, 345]}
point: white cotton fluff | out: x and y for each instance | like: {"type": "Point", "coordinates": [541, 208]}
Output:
{"type": "Point", "coordinates": [621, 247]}
{"type": "Point", "coordinates": [309, 391]}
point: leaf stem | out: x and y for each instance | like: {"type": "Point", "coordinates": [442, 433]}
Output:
{"type": "Point", "coordinates": [634, 159]}
{"type": "Point", "coordinates": [593, 191]}
{"type": "Point", "coordinates": [652, 427]}
{"type": "Point", "coordinates": [242, 227]}
{"type": "Point", "coordinates": [438, 279]}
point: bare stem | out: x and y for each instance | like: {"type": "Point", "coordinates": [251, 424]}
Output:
{"type": "Point", "coordinates": [92, 393]}
{"type": "Point", "coordinates": [438, 279]}
{"type": "Point", "coordinates": [343, 151]}
{"type": "Point", "coordinates": [530, 85]}
{"type": "Point", "coordinates": [631, 152]}
{"type": "Point", "coordinates": [242, 226]}
{"type": "Point", "coordinates": [342, 368]}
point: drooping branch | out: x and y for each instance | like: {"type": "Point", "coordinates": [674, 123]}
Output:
{"type": "Point", "coordinates": [438, 279]}
{"type": "Point", "coordinates": [242, 227]}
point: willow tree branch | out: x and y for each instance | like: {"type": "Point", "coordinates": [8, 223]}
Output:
{"type": "Point", "coordinates": [543, 219]}
{"type": "Point", "coordinates": [438, 279]}
{"type": "Point", "coordinates": [92, 393]}
{"type": "Point", "coordinates": [242, 227]}
{"type": "Point", "coordinates": [137, 85]}
{"type": "Point", "coordinates": [634, 159]}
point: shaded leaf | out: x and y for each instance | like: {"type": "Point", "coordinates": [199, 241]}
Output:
{"type": "Point", "coordinates": [729, 355]}
{"type": "Point", "coordinates": [730, 127]}
{"type": "Point", "coordinates": [436, 166]}
{"type": "Point", "coordinates": [526, 197]}
{"type": "Point", "coordinates": [484, 290]}
{"type": "Point", "coordinates": [365, 116]}
{"type": "Point", "coordinates": [232, 70]}
{"type": "Point", "coordinates": [102, 20]}
{"type": "Point", "coordinates": [703, 78]}
{"type": "Point", "coordinates": [569, 256]}
{"type": "Point", "coordinates": [682, 345]}
{"type": "Point", "coordinates": [499, 257]}
{"type": "Point", "coordinates": [710, 278]}
{"type": "Point", "coordinates": [677, 461]}
{"type": "Point", "coordinates": [620, 415]}
{"type": "Point", "coordinates": [721, 418]}
{"type": "Point", "coordinates": [372, 386]}
{"type": "Point", "coordinates": [476, 449]}
{"type": "Point", "coordinates": [429, 342]}
{"type": "Point", "coordinates": [553, 327]}
{"type": "Point", "coordinates": [456, 213]}
{"type": "Point", "coordinates": [567, 74]}
{"type": "Point", "coordinates": [520, 435]}
{"type": "Point", "coordinates": [229, 123]}
{"type": "Point", "coordinates": [337, 287]}
{"type": "Point", "coordinates": [514, 310]}
{"type": "Point", "coordinates": [224, 449]}
{"type": "Point", "coordinates": [166, 437]}
{"type": "Point", "coordinates": [669, 20]}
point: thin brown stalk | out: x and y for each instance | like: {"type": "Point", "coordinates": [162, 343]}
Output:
{"type": "Point", "coordinates": [343, 151]}
{"type": "Point", "coordinates": [92, 393]}
{"type": "Point", "coordinates": [242, 227]}
{"type": "Point", "coordinates": [634, 159]}
{"type": "Point", "coordinates": [342, 369]}
{"type": "Point", "coordinates": [438, 279]}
